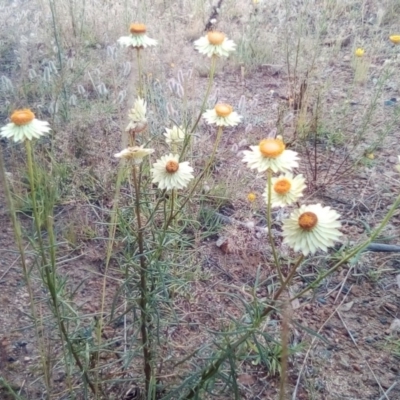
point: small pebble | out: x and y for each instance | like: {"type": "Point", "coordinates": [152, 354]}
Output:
{"type": "Point", "coordinates": [356, 367]}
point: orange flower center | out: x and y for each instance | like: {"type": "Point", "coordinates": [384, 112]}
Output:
{"type": "Point", "coordinates": [282, 186]}
{"type": "Point", "coordinates": [271, 148]}
{"type": "Point", "coordinates": [308, 220]}
{"type": "Point", "coordinates": [22, 117]}
{"type": "Point", "coordinates": [172, 166]}
{"type": "Point", "coordinates": [137, 29]}
{"type": "Point", "coordinates": [395, 39]}
{"type": "Point", "coordinates": [223, 110]}
{"type": "Point", "coordinates": [215, 38]}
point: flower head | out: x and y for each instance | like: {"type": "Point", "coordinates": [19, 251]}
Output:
{"type": "Point", "coordinates": [175, 135]}
{"type": "Point", "coordinates": [359, 52]}
{"type": "Point", "coordinates": [135, 153]}
{"type": "Point", "coordinates": [395, 39]}
{"type": "Point", "coordinates": [271, 154]}
{"type": "Point", "coordinates": [251, 197]}
{"type": "Point", "coordinates": [215, 43]}
{"type": "Point", "coordinates": [137, 38]}
{"type": "Point", "coordinates": [169, 173]}
{"type": "Point", "coordinates": [285, 190]}
{"type": "Point", "coordinates": [222, 115]}
{"type": "Point", "coordinates": [311, 228]}
{"type": "Point", "coordinates": [137, 117]}
{"type": "Point", "coordinates": [24, 126]}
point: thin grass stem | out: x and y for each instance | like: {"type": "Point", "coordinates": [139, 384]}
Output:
{"type": "Point", "coordinates": [269, 222]}
{"type": "Point", "coordinates": [18, 239]}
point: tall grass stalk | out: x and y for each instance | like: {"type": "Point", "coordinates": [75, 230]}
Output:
{"type": "Point", "coordinates": [110, 246]}
{"type": "Point", "coordinates": [19, 241]}
{"type": "Point", "coordinates": [60, 61]}
{"type": "Point", "coordinates": [214, 59]}
{"type": "Point", "coordinates": [49, 268]}
{"type": "Point", "coordinates": [189, 132]}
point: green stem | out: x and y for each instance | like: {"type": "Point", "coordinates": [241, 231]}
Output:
{"type": "Point", "coordinates": [50, 272]}
{"type": "Point", "coordinates": [210, 82]}
{"type": "Point", "coordinates": [201, 176]}
{"type": "Point", "coordinates": [140, 77]}
{"type": "Point", "coordinates": [188, 136]}
{"type": "Point", "coordinates": [10, 390]}
{"type": "Point", "coordinates": [32, 175]}
{"type": "Point", "coordinates": [269, 221]}
{"type": "Point", "coordinates": [173, 196]}
{"type": "Point", "coordinates": [147, 356]}
{"type": "Point", "coordinates": [285, 334]}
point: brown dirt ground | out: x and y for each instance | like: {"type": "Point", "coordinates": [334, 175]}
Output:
{"type": "Point", "coordinates": [353, 309]}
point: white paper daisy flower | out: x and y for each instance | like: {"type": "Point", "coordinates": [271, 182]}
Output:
{"type": "Point", "coordinates": [285, 190]}
{"type": "Point", "coordinates": [24, 126]}
{"type": "Point", "coordinates": [311, 228]}
{"type": "Point", "coordinates": [137, 38]}
{"type": "Point", "coordinates": [135, 153]}
{"type": "Point", "coordinates": [176, 135]}
{"type": "Point", "coordinates": [137, 117]}
{"type": "Point", "coordinates": [169, 173]}
{"type": "Point", "coordinates": [222, 115]}
{"type": "Point", "coordinates": [271, 154]}
{"type": "Point", "coordinates": [215, 43]}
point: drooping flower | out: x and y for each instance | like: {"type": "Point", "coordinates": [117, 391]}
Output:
{"type": "Point", "coordinates": [169, 173]}
{"type": "Point", "coordinates": [222, 115]}
{"type": "Point", "coordinates": [395, 39]}
{"type": "Point", "coordinates": [175, 135]}
{"type": "Point", "coordinates": [311, 228]}
{"type": "Point", "coordinates": [24, 126]}
{"type": "Point", "coordinates": [285, 190]}
{"type": "Point", "coordinates": [271, 154]}
{"type": "Point", "coordinates": [137, 117]}
{"type": "Point", "coordinates": [137, 38]}
{"type": "Point", "coordinates": [215, 43]}
{"type": "Point", "coordinates": [359, 52]}
{"type": "Point", "coordinates": [135, 154]}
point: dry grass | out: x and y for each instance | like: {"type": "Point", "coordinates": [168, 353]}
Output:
{"type": "Point", "coordinates": [294, 74]}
